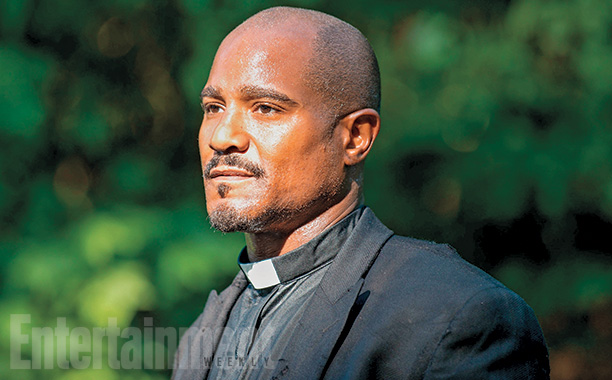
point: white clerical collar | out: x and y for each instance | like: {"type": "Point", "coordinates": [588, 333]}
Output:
{"type": "Point", "coordinates": [261, 274]}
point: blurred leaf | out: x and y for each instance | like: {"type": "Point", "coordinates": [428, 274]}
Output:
{"type": "Point", "coordinates": [20, 103]}
{"type": "Point", "coordinates": [116, 293]}
{"type": "Point", "coordinates": [14, 16]}
{"type": "Point", "coordinates": [105, 235]}
{"type": "Point", "coordinates": [578, 283]}
{"type": "Point", "coordinates": [195, 265]}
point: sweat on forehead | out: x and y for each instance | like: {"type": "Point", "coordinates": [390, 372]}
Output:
{"type": "Point", "coordinates": [342, 68]}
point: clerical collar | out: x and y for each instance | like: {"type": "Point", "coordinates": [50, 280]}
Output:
{"type": "Point", "coordinates": [324, 247]}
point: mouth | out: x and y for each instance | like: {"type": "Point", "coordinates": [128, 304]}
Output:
{"type": "Point", "coordinates": [229, 174]}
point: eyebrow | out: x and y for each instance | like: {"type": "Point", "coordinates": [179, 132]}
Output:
{"type": "Point", "coordinates": [257, 92]}
{"type": "Point", "coordinates": [210, 92]}
{"type": "Point", "coordinates": [250, 93]}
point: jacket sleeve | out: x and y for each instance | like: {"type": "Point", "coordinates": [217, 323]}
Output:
{"type": "Point", "coordinates": [495, 335]}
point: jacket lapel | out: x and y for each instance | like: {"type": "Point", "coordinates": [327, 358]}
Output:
{"type": "Point", "coordinates": [203, 337]}
{"type": "Point", "coordinates": [327, 312]}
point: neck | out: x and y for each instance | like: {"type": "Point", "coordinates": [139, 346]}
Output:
{"type": "Point", "coordinates": [265, 245]}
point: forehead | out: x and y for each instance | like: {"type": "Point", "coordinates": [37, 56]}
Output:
{"type": "Point", "coordinates": [268, 58]}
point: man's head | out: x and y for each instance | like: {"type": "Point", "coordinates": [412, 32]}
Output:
{"type": "Point", "coordinates": [290, 112]}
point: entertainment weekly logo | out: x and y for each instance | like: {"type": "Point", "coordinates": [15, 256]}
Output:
{"type": "Point", "coordinates": [148, 347]}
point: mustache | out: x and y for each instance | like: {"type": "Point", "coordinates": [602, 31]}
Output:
{"type": "Point", "coordinates": [234, 160]}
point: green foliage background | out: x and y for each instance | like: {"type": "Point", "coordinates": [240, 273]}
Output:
{"type": "Point", "coordinates": [497, 121]}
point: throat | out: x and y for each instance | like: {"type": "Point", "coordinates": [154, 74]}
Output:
{"type": "Point", "coordinates": [265, 245]}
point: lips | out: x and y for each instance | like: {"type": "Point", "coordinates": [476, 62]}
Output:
{"type": "Point", "coordinates": [232, 166]}
{"type": "Point", "coordinates": [229, 173]}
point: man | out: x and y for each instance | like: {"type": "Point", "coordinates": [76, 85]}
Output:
{"type": "Point", "coordinates": [325, 289]}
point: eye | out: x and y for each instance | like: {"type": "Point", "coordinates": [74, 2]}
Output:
{"type": "Point", "coordinates": [211, 108]}
{"type": "Point", "coordinates": [266, 109]}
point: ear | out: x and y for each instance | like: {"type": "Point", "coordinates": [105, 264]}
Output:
{"type": "Point", "coordinates": [359, 130]}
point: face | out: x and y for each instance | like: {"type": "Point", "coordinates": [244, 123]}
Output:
{"type": "Point", "coordinates": [269, 160]}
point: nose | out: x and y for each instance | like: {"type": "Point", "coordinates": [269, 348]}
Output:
{"type": "Point", "coordinates": [228, 135]}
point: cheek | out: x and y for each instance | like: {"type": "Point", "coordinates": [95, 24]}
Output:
{"type": "Point", "coordinates": [308, 171]}
{"type": "Point", "coordinates": [272, 138]}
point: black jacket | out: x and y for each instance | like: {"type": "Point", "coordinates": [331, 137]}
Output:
{"type": "Point", "coordinates": [391, 307]}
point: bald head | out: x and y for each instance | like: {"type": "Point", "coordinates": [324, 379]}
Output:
{"type": "Point", "coordinates": [342, 68]}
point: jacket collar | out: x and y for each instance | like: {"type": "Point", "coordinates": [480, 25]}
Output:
{"type": "Point", "coordinates": [328, 311]}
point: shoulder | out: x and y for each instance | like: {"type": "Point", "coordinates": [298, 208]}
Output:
{"type": "Point", "coordinates": [428, 284]}
{"type": "Point", "coordinates": [424, 268]}
{"type": "Point", "coordinates": [456, 313]}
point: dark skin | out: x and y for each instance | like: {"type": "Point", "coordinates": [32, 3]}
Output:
{"type": "Point", "coordinates": [257, 107]}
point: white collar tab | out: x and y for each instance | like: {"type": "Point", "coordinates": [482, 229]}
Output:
{"type": "Point", "coordinates": [261, 274]}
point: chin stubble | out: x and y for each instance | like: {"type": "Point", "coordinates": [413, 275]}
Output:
{"type": "Point", "coordinates": [230, 219]}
